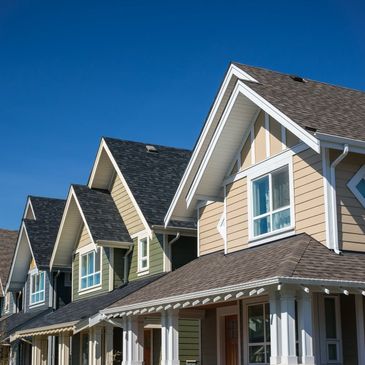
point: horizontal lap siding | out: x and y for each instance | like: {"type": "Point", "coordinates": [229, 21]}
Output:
{"type": "Point", "coordinates": [236, 206]}
{"type": "Point", "coordinates": [309, 195]}
{"type": "Point", "coordinates": [209, 238]}
{"type": "Point", "coordinates": [351, 214]}
{"type": "Point", "coordinates": [126, 207]}
{"type": "Point", "coordinates": [189, 340]}
{"type": "Point", "coordinates": [84, 238]}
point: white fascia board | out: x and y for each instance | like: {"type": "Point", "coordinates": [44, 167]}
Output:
{"type": "Point", "coordinates": [337, 142]}
{"type": "Point", "coordinates": [104, 146]}
{"type": "Point", "coordinates": [233, 71]}
{"type": "Point", "coordinates": [22, 232]}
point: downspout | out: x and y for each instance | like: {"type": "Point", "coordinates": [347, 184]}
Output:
{"type": "Point", "coordinates": [169, 245]}
{"type": "Point", "coordinates": [174, 239]}
{"type": "Point", "coordinates": [126, 263]}
{"type": "Point", "coordinates": [334, 198]}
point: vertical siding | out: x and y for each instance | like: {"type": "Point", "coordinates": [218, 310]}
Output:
{"type": "Point", "coordinates": [210, 239]}
{"type": "Point", "coordinates": [260, 138]}
{"type": "Point", "coordinates": [85, 238]}
{"type": "Point", "coordinates": [309, 195]}
{"type": "Point", "coordinates": [275, 137]}
{"type": "Point", "coordinates": [189, 340]}
{"type": "Point", "coordinates": [236, 205]}
{"type": "Point", "coordinates": [126, 208]}
{"type": "Point", "coordinates": [246, 154]}
{"type": "Point", "coordinates": [351, 214]}
{"type": "Point", "coordinates": [155, 258]}
{"type": "Point", "coordinates": [291, 139]}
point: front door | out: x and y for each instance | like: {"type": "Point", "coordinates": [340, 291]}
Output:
{"type": "Point", "coordinates": [231, 339]}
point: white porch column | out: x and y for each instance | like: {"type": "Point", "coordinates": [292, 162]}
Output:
{"type": "Point", "coordinates": [64, 349]}
{"type": "Point", "coordinates": [288, 341]}
{"type": "Point", "coordinates": [305, 327]}
{"type": "Point", "coordinates": [108, 344]}
{"type": "Point", "coordinates": [275, 328]}
{"type": "Point", "coordinates": [36, 351]}
{"type": "Point", "coordinates": [132, 341]}
{"type": "Point", "coordinates": [360, 328]}
{"type": "Point", "coordinates": [170, 337]}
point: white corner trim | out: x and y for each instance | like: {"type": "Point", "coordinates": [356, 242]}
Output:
{"type": "Point", "coordinates": [283, 137]}
{"type": "Point", "coordinates": [267, 135]}
{"type": "Point", "coordinates": [327, 194]}
{"type": "Point", "coordinates": [360, 174]}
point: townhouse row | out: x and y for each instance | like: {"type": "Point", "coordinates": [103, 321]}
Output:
{"type": "Point", "coordinates": [248, 250]}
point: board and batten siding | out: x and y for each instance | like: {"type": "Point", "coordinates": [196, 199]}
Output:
{"type": "Point", "coordinates": [237, 215]}
{"type": "Point", "coordinates": [309, 202]}
{"type": "Point", "coordinates": [350, 212]}
{"type": "Point", "coordinates": [155, 257]}
{"type": "Point", "coordinates": [85, 238]}
{"type": "Point", "coordinates": [126, 207]}
{"type": "Point", "coordinates": [210, 239]}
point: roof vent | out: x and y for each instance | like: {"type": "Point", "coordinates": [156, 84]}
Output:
{"type": "Point", "coordinates": [298, 78]}
{"type": "Point", "coordinates": [151, 149]}
{"type": "Point", "coordinates": [310, 129]}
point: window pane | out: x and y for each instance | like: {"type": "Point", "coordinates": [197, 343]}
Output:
{"type": "Point", "coordinates": [261, 225]}
{"type": "Point", "coordinates": [361, 187]}
{"type": "Point", "coordinates": [143, 248]}
{"type": "Point", "coordinates": [41, 296]}
{"type": "Point", "coordinates": [281, 219]}
{"type": "Point", "coordinates": [90, 280]}
{"type": "Point", "coordinates": [332, 351]}
{"type": "Point", "coordinates": [256, 354]}
{"type": "Point", "coordinates": [83, 283]}
{"type": "Point", "coordinates": [41, 281]}
{"type": "Point", "coordinates": [97, 260]}
{"type": "Point", "coordinates": [97, 279]}
{"type": "Point", "coordinates": [330, 314]}
{"type": "Point", "coordinates": [261, 196]}
{"type": "Point", "coordinates": [256, 324]}
{"type": "Point", "coordinates": [280, 188]}
{"type": "Point", "coordinates": [143, 263]}
{"type": "Point", "coordinates": [83, 265]}
{"type": "Point", "coordinates": [91, 263]}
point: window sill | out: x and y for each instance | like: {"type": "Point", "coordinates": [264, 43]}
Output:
{"type": "Point", "coordinates": [37, 304]}
{"type": "Point", "coordinates": [143, 272]}
{"type": "Point", "coordinates": [89, 290]}
{"type": "Point", "coordinates": [272, 236]}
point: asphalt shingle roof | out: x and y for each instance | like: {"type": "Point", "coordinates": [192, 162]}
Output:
{"type": "Point", "coordinates": [326, 108]}
{"type": "Point", "coordinates": [296, 256]}
{"type": "Point", "coordinates": [43, 230]}
{"type": "Point", "coordinates": [152, 177]}
{"type": "Point", "coordinates": [85, 308]}
{"type": "Point", "coordinates": [8, 241]}
{"type": "Point", "coordinates": [101, 214]}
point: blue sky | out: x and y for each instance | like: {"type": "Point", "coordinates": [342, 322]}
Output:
{"type": "Point", "coordinates": [73, 71]}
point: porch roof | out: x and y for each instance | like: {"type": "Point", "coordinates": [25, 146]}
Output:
{"type": "Point", "coordinates": [298, 258]}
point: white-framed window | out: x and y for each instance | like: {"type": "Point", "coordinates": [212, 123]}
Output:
{"type": "Point", "coordinates": [143, 254]}
{"type": "Point", "coordinates": [357, 185]}
{"type": "Point", "coordinates": [90, 269]}
{"type": "Point", "coordinates": [37, 287]}
{"type": "Point", "coordinates": [271, 202]}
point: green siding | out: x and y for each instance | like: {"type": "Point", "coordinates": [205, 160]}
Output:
{"type": "Point", "coordinates": [118, 266]}
{"type": "Point", "coordinates": [104, 276]}
{"type": "Point", "coordinates": [155, 259]}
{"type": "Point", "coordinates": [189, 340]}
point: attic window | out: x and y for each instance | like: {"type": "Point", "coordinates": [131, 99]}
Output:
{"type": "Point", "coordinates": [357, 185]}
{"type": "Point", "coordinates": [298, 78]}
{"type": "Point", "coordinates": [151, 149]}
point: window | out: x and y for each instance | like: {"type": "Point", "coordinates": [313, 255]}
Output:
{"type": "Point", "coordinates": [331, 330]}
{"type": "Point", "coordinates": [37, 285]}
{"type": "Point", "coordinates": [271, 210]}
{"type": "Point", "coordinates": [258, 317]}
{"type": "Point", "coordinates": [143, 249]}
{"type": "Point", "coordinates": [90, 269]}
{"type": "Point", "coordinates": [357, 185]}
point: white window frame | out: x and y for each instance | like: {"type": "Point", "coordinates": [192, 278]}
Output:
{"type": "Point", "coordinates": [34, 273]}
{"type": "Point", "coordinates": [140, 258]}
{"type": "Point", "coordinates": [354, 181]}
{"type": "Point", "coordinates": [266, 170]}
{"type": "Point", "coordinates": [95, 286]}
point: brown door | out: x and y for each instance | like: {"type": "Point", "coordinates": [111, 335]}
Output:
{"type": "Point", "coordinates": [231, 340]}
{"type": "Point", "coordinates": [147, 348]}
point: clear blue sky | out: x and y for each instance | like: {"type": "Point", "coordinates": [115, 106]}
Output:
{"type": "Point", "coordinates": [73, 71]}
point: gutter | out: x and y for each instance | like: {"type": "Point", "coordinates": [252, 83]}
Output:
{"type": "Point", "coordinates": [333, 197]}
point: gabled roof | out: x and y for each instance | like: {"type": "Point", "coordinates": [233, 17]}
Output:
{"type": "Point", "coordinates": [322, 107]}
{"type": "Point", "coordinates": [152, 177]}
{"type": "Point", "coordinates": [7, 247]}
{"type": "Point", "coordinates": [101, 214]}
{"type": "Point", "coordinates": [297, 257]}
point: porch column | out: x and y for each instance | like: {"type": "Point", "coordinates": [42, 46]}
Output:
{"type": "Point", "coordinates": [305, 327]}
{"type": "Point", "coordinates": [108, 344]}
{"type": "Point", "coordinates": [275, 328]}
{"type": "Point", "coordinates": [288, 341]}
{"type": "Point", "coordinates": [360, 328]}
{"type": "Point", "coordinates": [170, 337]}
{"type": "Point", "coordinates": [64, 349]}
{"type": "Point", "coordinates": [36, 350]}
{"type": "Point", "coordinates": [132, 341]}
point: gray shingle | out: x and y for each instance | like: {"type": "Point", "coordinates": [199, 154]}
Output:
{"type": "Point", "coordinates": [101, 214]}
{"type": "Point", "coordinates": [8, 241]}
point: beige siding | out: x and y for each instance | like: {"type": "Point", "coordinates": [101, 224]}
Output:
{"type": "Point", "coordinates": [246, 154]}
{"type": "Point", "coordinates": [351, 214]}
{"type": "Point", "coordinates": [309, 195]}
{"type": "Point", "coordinates": [85, 238]}
{"type": "Point", "coordinates": [209, 238]}
{"type": "Point", "coordinates": [260, 138]}
{"type": "Point", "coordinates": [291, 139]}
{"type": "Point", "coordinates": [126, 208]}
{"type": "Point", "coordinates": [236, 205]}
{"type": "Point", "coordinates": [275, 137]}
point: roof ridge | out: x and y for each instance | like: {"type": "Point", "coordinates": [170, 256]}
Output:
{"type": "Point", "coordinates": [44, 197]}
{"type": "Point", "coordinates": [304, 250]}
